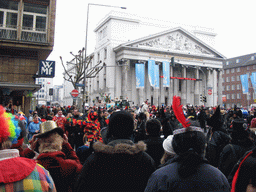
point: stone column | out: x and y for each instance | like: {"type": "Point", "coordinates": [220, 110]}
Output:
{"type": "Point", "coordinates": [220, 87]}
{"type": "Point", "coordinates": [171, 88]}
{"type": "Point", "coordinates": [197, 92]}
{"type": "Point", "coordinates": [124, 84]}
{"type": "Point", "coordinates": [209, 85]}
{"type": "Point", "coordinates": [214, 89]}
{"type": "Point", "coordinates": [184, 86]}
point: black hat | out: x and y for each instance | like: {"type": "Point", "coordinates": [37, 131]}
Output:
{"type": "Point", "coordinates": [121, 124]}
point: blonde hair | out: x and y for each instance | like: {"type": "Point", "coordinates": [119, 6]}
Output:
{"type": "Point", "coordinates": [51, 143]}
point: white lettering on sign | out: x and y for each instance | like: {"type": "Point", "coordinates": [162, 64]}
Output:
{"type": "Point", "coordinates": [47, 67]}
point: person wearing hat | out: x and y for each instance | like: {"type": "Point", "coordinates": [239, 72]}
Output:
{"type": "Point", "coordinates": [240, 143]}
{"type": "Point", "coordinates": [19, 173]}
{"type": "Point", "coordinates": [154, 142]}
{"type": "Point", "coordinates": [120, 165]}
{"type": "Point", "coordinates": [56, 155]}
{"type": "Point", "coordinates": [168, 152]}
{"type": "Point", "coordinates": [188, 170]}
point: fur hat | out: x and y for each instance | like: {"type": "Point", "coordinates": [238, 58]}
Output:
{"type": "Point", "coordinates": [121, 125]}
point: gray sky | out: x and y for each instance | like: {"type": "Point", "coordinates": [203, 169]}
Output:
{"type": "Point", "coordinates": [233, 21]}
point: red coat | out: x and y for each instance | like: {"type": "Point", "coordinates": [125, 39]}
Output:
{"type": "Point", "coordinates": [64, 167]}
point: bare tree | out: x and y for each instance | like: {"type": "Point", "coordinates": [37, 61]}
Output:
{"type": "Point", "coordinates": [80, 70]}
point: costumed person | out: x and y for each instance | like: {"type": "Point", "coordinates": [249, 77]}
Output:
{"type": "Point", "coordinates": [60, 119]}
{"type": "Point", "coordinates": [57, 155]}
{"type": "Point", "coordinates": [34, 127]}
{"type": "Point", "coordinates": [92, 128]}
{"type": "Point", "coordinates": [19, 173]}
{"type": "Point", "coordinates": [216, 138]}
{"type": "Point", "coordinates": [240, 143]}
{"type": "Point", "coordinates": [188, 170]}
{"type": "Point", "coordinates": [120, 165]}
{"type": "Point", "coordinates": [244, 173]}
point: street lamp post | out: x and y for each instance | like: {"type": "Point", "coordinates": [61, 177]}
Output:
{"type": "Point", "coordinates": [85, 48]}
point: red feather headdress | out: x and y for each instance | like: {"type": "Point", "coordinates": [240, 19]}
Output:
{"type": "Point", "coordinates": [177, 109]}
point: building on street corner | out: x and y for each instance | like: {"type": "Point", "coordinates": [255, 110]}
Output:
{"type": "Point", "coordinates": [26, 37]}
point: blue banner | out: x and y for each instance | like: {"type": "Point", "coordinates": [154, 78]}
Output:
{"type": "Point", "coordinates": [140, 75]}
{"type": "Point", "coordinates": [156, 73]}
{"type": "Point", "coordinates": [253, 80]}
{"type": "Point", "coordinates": [151, 74]}
{"type": "Point", "coordinates": [166, 74]}
{"type": "Point", "coordinates": [244, 81]}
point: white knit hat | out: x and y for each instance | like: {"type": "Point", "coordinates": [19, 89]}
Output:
{"type": "Point", "coordinates": [167, 145]}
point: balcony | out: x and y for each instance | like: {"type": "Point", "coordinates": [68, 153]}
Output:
{"type": "Point", "coordinates": [27, 34]}
{"type": "Point", "coordinates": [9, 32]}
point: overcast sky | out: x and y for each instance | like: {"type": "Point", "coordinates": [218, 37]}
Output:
{"type": "Point", "coordinates": [232, 20]}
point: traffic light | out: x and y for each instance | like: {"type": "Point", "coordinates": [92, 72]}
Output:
{"type": "Point", "coordinates": [204, 99]}
{"type": "Point", "coordinates": [51, 91]}
{"type": "Point", "coordinates": [201, 98]}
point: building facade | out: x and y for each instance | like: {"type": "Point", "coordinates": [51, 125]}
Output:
{"type": "Point", "coordinates": [123, 41]}
{"type": "Point", "coordinates": [233, 93]}
{"type": "Point", "coordinates": [196, 70]}
{"type": "Point", "coordinates": [26, 37]}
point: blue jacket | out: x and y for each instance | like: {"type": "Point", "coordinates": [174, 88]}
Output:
{"type": "Point", "coordinates": [206, 178]}
{"type": "Point", "coordinates": [33, 127]}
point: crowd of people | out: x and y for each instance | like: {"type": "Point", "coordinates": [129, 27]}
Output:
{"type": "Point", "coordinates": [143, 148]}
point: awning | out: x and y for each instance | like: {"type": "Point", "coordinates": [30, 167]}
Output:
{"type": "Point", "coordinates": [20, 86]}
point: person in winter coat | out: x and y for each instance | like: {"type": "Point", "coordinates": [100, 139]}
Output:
{"type": "Point", "coordinates": [240, 143]}
{"type": "Point", "coordinates": [19, 173]}
{"type": "Point", "coordinates": [140, 130]}
{"type": "Point", "coordinates": [216, 138]}
{"type": "Point", "coordinates": [154, 142]}
{"type": "Point", "coordinates": [57, 156]}
{"type": "Point", "coordinates": [120, 165]}
{"type": "Point", "coordinates": [188, 170]}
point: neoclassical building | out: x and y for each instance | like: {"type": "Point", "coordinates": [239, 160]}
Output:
{"type": "Point", "coordinates": [171, 61]}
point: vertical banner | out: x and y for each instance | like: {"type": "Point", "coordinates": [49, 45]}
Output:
{"type": "Point", "coordinates": [151, 72]}
{"type": "Point", "coordinates": [244, 81]}
{"type": "Point", "coordinates": [253, 80]}
{"type": "Point", "coordinates": [166, 74]}
{"type": "Point", "coordinates": [156, 76]}
{"type": "Point", "coordinates": [140, 75]}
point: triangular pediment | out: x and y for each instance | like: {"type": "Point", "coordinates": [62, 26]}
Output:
{"type": "Point", "coordinates": [175, 40]}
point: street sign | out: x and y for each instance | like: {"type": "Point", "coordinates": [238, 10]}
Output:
{"type": "Point", "coordinates": [79, 85]}
{"type": "Point", "coordinates": [74, 93]}
{"type": "Point", "coordinates": [209, 91]}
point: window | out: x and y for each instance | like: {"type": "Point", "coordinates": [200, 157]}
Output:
{"type": "Point", "coordinates": [34, 17]}
{"type": "Point", "coordinates": [233, 87]}
{"type": "Point", "coordinates": [98, 58]}
{"type": "Point", "coordinates": [227, 71]}
{"type": "Point", "coordinates": [12, 5]}
{"type": "Point", "coordinates": [237, 60]}
{"type": "Point", "coordinates": [227, 79]}
{"type": "Point", "coordinates": [228, 96]}
{"type": "Point", "coordinates": [233, 70]}
{"type": "Point", "coordinates": [179, 85]}
{"type": "Point", "coordinates": [238, 86]}
{"type": "Point", "coordinates": [238, 78]}
{"type": "Point", "coordinates": [233, 78]}
{"type": "Point", "coordinates": [233, 96]}
{"type": "Point", "coordinates": [252, 57]}
{"type": "Point", "coordinates": [238, 95]}
{"type": "Point", "coordinates": [228, 88]}
{"type": "Point", "coordinates": [227, 62]}
{"type": "Point", "coordinates": [238, 69]}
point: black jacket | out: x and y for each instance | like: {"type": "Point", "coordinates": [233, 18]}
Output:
{"type": "Point", "coordinates": [119, 166]}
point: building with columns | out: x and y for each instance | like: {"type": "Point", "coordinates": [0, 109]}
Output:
{"type": "Point", "coordinates": [196, 68]}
